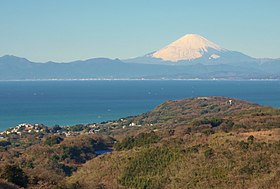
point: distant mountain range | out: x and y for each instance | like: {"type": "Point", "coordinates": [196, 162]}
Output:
{"type": "Point", "coordinates": [190, 57]}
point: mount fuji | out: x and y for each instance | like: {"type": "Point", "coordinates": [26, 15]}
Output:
{"type": "Point", "coordinates": [192, 48]}
{"type": "Point", "coordinates": [189, 47]}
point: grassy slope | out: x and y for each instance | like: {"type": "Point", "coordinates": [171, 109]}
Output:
{"type": "Point", "coordinates": [221, 160]}
{"type": "Point", "coordinates": [227, 157]}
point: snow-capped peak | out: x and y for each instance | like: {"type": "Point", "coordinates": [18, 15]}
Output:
{"type": "Point", "coordinates": [188, 47]}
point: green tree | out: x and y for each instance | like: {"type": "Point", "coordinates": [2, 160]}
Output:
{"type": "Point", "coordinates": [15, 174]}
{"type": "Point", "coordinates": [52, 140]}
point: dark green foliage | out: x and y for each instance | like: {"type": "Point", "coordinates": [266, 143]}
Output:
{"type": "Point", "coordinates": [212, 107]}
{"type": "Point", "coordinates": [203, 104]}
{"type": "Point", "coordinates": [227, 126]}
{"type": "Point", "coordinates": [193, 149]}
{"type": "Point", "coordinates": [140, 140]}
{"type": "Point", "coordinates": [28, 164]}
{"type": "Point", "coordinates": [77, 153]}
{"type": "Point", "coordinates": [52, 140]}
{"type": "Point", "coordinates": [4, 143]}
{"type": "Point", "coordinates": [214, 122]}
{"type": "Point", "coordinates": [256, 166]}
{"type": "Point", "coordinates": [7, 185]}
{"type": "Point", "coordinates": [203, 112]}
{"type": "Point", "coordinates": [208, 153]}
{"type": "Point", "coordinates": [55, 164]}
{"type": "Point", "coordinates": [197, 123]}
{"type": "Point", "coordinates": [209, 132]}
{"type": "Point", "coordinates": [247, 170]}
{"type": "Point", "coordinates": [76, 128]}
{"type": "Point", "coordinates": [97, 145]}
{"type": "Point", "coordinates": [15, 175]}
{"type": "Point", "coordinates": [145, 170]}
{"type": "Point", "coordinates": [72, 152]}
{"type": "Point", "coordinates": [251, 139]}
{"type": "Point", "coordinates": [171, 132]}
{"type": "Point", "coordinates": [243, 145]}
{"type": "Point", "coordinates": [56, 128]}
{"type": "Point", "coordinates": [127, 143]}
{"type": "Point", "coordinates": [188, 130]}
{"type": "Point", "coordinates": [68, 170]}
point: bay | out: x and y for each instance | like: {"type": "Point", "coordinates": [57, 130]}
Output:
{"type": "Point", "coordinates": [74, 102]}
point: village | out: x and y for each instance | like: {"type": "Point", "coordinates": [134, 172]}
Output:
{"type": "Point", "coordinates": [75, 130]}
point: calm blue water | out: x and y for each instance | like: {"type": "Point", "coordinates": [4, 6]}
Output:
{"type": "Point", "coordinates": [101, 152]}
{"type": "Point", "coordinates": [73, 102]}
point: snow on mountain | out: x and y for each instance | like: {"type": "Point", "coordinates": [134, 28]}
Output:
{"type": "Point", "coordinates": [189, 47]}
{"type": "Point", "coordinates": [214, 56]}
{"type": "Point", "coordinates": [192, 49]}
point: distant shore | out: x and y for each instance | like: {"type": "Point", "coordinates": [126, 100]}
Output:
{"type": "Point", "coordinates": [142, 79]}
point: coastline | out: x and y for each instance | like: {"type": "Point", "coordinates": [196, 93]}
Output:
{"type": "Point", "coordinates": [140, 79]}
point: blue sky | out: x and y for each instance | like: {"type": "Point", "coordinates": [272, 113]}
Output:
{"type": "Point", "coordinates": [65, 30]}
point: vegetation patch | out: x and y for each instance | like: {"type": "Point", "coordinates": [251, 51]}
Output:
{"type": "Point", "coordinates": [214, 122]}
{"type": "Point", "coordinates": [142, 139]}
{"type": "Point", "coordinates": [14, 174]}
{"type": "Point", "coordinates": [52, 140]}
{"type": "Point", "coordinates": [145, 170]}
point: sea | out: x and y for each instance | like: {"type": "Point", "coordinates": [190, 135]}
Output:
{"type": "Point", "coordinates": [93, 101]}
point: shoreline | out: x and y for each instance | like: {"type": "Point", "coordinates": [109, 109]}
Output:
{"type": "Point", "coordinates": [142, 79]}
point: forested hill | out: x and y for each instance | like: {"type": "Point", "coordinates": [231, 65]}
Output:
{"type": "Point", "coordinates": [202, 113]}
{"type": "Point", "coordinates": [203, 142]}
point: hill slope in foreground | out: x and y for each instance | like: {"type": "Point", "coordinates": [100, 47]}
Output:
{"type": "Point", "coordinates": [205, 142]}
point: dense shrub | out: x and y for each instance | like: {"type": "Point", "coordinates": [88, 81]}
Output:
{"type": "Point", "coordinates": [214, 122]}
{"type": "Point", "coordinates": [227, 126]}
{"type": "Point", "coordinates": [243, 145]}
{"type": "Point", "coordinates": [251, 139]}
{"type": "Point", "coordinates": [56, 128]}
{"type": "Point", "coordinates": [140, 140]}
{"type": "Point", "coordinates": [258, 165]}
{"type": "Point", "coordinates": [6, 185]}
{"type": "Point", "coordinates": [203, 104]}
{"type": "Point", "coordinates": [203, 112]}
{"type": "Point", "coordinates": [208, 132]}
{"type": "Point", "coordinates": [193, 149]}
{"type": "Point", "coordinates": [78, 154]}
{"type": "Point", "coordinates": [77, 128]}
{"type": "Point", "coordinates": [68, 170]}
{"type": "Point", "coordinates": [4, 143]}
{"type": "Point", "coordinates": [71, 152]}
{"type": "Point", "coordinates": [145, 170]}
{"type": "Point", "coordinates": [52, 140]}
{"type": "Point", "coordinates": [15, 174]}
{"type": "Point", "coordinates": [209, 152]}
